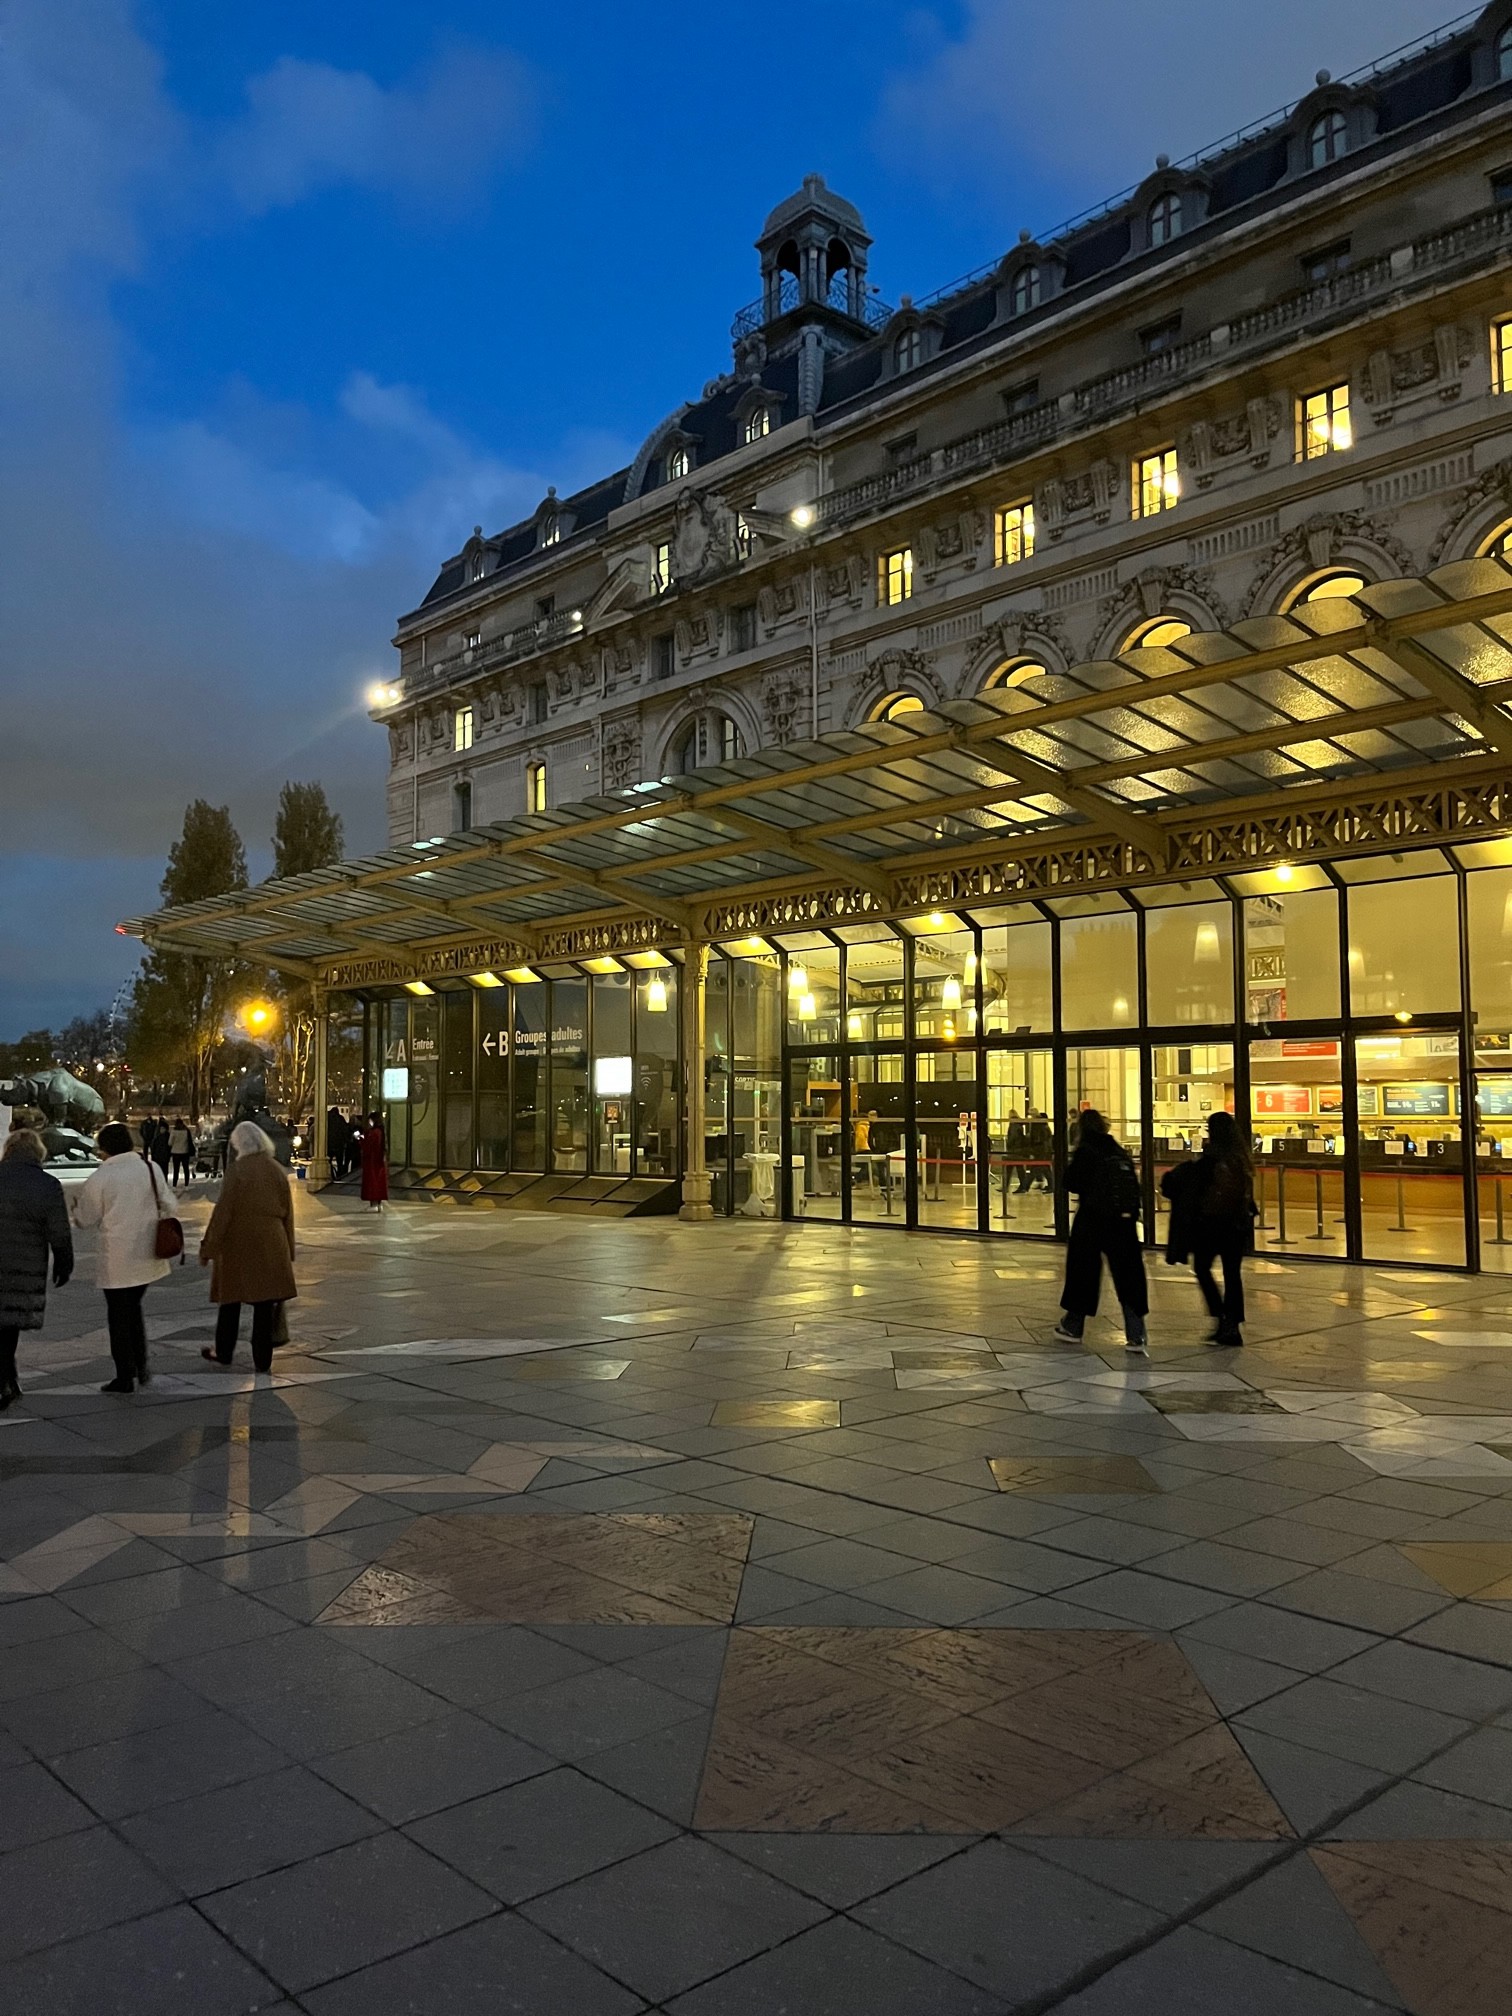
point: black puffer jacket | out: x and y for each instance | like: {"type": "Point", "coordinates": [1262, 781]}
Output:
{"type": "Point", "coordinates": [33, 1222]}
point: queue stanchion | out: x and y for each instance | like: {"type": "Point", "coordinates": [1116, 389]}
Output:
{"type": "Point", "coordinates": [1318, 1191]}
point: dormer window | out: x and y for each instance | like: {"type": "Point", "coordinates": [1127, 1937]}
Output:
{"type": "Point", "coordinates": [1327, 138]}
{"type": "Point", "coordinates": [1504, 55]}
{"type": "Point", "coordinates": [1027, 288]}
{"type": "Point", "coordinates": [551, 530]}
{"type": "Point", "coordinates": [908, 351]}
{"type": "Point", "coordinates": [1165, 218]}
{"type": "Point", "coordinates": [475, 567]}
{"type": "Point", "coordinates": [758, 424]}
{"type": "Point", "coordinates": [678, 464]}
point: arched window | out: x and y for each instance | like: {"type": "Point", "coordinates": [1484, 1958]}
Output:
{"type": "Point", "coordinates": [1026, 289]}
{"type": "Point", "coordinates": [896, 705]}
{"type": "Point", "coordinates": [908, 351]}
{"type": "Point", "coordinates": [475, 567]}
{"type": "Point", "coordinates": [708, 738]}
{"type": "Point", "coordinates": [678, 464]}
{"type": "Point", "coordinates": [758, 424]}
{"type": "Point", "coordinates": [1504, 55]}
{"type": "Point", "coordinates": [551, 530]}
{"type": "Point", "coordinates": [1327, 138]}
{"type": "Point", "coordinates": [1499, 545]}
{"type": "Point", "coordinates": [1018, 673]}
{"type": "Point", "coordinates": [1163, 630]}
{"type": "Point", "coordinates": [1165, 218]}
{"type": "Point", "coordinates": [1332, 587]}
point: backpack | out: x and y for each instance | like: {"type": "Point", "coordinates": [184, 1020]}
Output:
{"type": "Point", "coordinates": [1119, 1191]}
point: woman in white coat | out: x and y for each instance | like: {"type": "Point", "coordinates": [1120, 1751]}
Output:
{"type": "Point", "coordinates": [123, 1199]}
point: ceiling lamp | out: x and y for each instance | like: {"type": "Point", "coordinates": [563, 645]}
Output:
{"type": "Point", "coordinates": [656, 997]}
{"type": "Point", "coordinates": [797, 979]}
{"type": "Point", "coordinates": [807, 1008]}
{"type": "Point", "coordinates": [950, 994]}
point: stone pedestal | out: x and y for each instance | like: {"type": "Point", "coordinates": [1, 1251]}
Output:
{"type": "Point", "coordinates": [318, 1172]}
{"type": "Point", "coordinates": [696, 1188]}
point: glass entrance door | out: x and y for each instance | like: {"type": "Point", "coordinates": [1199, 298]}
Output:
{"type": "Point", "coordinates": [945, 1119]}
{"type": "Point", "coordinates": [1412, 1182]}
{"type": "Point", "coordinates": [1189, 1081]}
{"type": "Point", "coordinates": [1109, 1081]}
{"type": "Point", "coordinates": [1021, 1127]}
{"type": "Point", "coordinates": [1493, 1156]}
{"type": "Point", "coordinates": [1297, 1120]}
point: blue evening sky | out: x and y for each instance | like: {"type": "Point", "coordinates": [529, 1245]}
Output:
{"type": "Point", "coordinates": [293, 295]}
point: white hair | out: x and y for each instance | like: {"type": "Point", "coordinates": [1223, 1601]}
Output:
{"type": "Point", "coordinates": [247, 1138]}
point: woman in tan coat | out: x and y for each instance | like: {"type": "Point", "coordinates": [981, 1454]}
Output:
{"type": "Point", "coordinates": [249, 1247]}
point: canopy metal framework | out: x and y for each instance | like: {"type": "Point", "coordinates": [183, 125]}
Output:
{"type": "Point", "coordinates": [1347, 726]}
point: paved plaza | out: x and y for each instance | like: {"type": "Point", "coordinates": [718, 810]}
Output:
{"type": "Point", "coordinates": [758, 1618]}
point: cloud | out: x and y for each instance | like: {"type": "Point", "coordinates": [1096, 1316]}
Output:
{"type": "Point", "coordinates": [196, 594]}
{"type": "Point", "coordinates": [310, 127]}
{"type": "Point", "coordinates": [1061, 105]}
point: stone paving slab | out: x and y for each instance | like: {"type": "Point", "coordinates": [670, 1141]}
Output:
{"type": "Point", "coordinates": [614, 1618]}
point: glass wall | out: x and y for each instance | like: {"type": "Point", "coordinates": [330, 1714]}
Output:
{"type": "Point", "coordinates": [929, 1072]}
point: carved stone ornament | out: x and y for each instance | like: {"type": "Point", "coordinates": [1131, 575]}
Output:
{"type": "Point", "coordinates": [1159, 591]}
{"type": "Point", "coordinates": [1050, 506]}
{"type": "Point", "coordinates": [622, 753]}
{"type": "Point", "coordinates": [1491, 484]}
{"type": "Point", "coordinates": [782, 702]}
{"type": "Point", "coordinates": [1322, 542]}
{"type": "Point", "coordinates": [703, 536]}
{"type": "Point", "coordinates": [750, 355]}
{"type": "Point", "coordinates": [1390, 376]}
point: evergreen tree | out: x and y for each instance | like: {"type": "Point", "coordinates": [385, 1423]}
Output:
{"type": "Point", "coordinates": [181, 1000]}
{"type": "Point", "coordinates": [306, 835]}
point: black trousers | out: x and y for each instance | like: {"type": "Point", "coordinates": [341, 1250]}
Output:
{"type": "Point", "coordinates": [9, 1337]}
{"type": "Point", "coordinates": [1227, 1308]}
{"type": "Point", "coordinates": [181, 1167]}
{"type": "Point", "coordinates": [128, 1331]}
{"type": "Point", "coordinates": [228, 1321]}
{"type": "Point", "coordinates": [1093, 1240]}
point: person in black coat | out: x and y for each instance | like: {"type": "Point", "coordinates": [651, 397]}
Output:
{"type": "Point", "coordinates": [33, 1225]}
{"type": "Point", "coordinates": [338, 1143]}
{"type": "Point", "coordinates": [1103, 1179]}
{"type": "Point", "coordinates": [1215, 1199]}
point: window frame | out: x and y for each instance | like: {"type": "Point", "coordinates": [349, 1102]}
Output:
{"type": "Point", "coordinates": [758, 424]}
{"type": "Point", "coordinates": [1332, 403]}
{"type": "Point", "coordinates": [1501, 355]}
{"type": "Point", "coordinates": [1163, 219]}
{"type": "Point", "coordinates": [1013, 533]}
{"type": "Point", "coordinates": [910, 341]}
{"type": "Point", "coordinates": [1327, 138]}
{"type": "Point", "coordinates": [1501, 54]}
{"type": "Point", "coordinates": [661, 566]}
{"type": "Point", "coordinates": [1161, 491]}
{"type": "Point", "coordinates": [1028, 288]}
{"type": "Point", "coordinates": [535, 785]}
{"type": "Point", "coordinates": [895, 577]}
{"type": "Point", "coordinates": [464, 728]}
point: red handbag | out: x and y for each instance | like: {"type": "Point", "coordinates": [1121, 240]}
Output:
{"type": "Point", "coordinates": [168, 1240]}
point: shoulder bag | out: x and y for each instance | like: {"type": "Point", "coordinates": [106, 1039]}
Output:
{"type": "Point", "coordinates": [168, 1242]}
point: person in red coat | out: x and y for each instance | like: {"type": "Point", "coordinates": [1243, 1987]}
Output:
{"type": "Point", "coordinates": [374, 1164]}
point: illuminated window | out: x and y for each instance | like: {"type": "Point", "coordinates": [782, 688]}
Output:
{"type": "Point", "coordinates": [1026, 289]}
{"type": "Point", "coordinates": [1501, 356]}
{"type": "Point", "coordinates": [1504, 55]}
{"type": "Point", "coordinates": [1157, 483]}
{"type": "Point", "coordinates": [908, 351]}
{"type": "Point", "coordinates": [1333, 587]}
{"type": "Point", "coordinates": [662, 579]}
{"type": "Point", "coordinates": [1013, 535]}
{"type": "Point", "coordinates": [744, 539]}
{"type": "Point", "coordinates": [1499, 545]}
{"type": "Point", "coordinates": [678, 464]}
{"type": "Point", "coordinates": [1165, 218]}
{"type": "Point", "coordinates": [729, 740]}
{"type": "Point", "coordinates": [895, 577]}
{"type": "Point", "coordinates": [551, 530]}
{"type": "Point", "coordinates": [1326, 139]}
{"type": "Point", "coordinates": [1019, 674]}
{"type": "Point", "coordinates": [471, 639]}
{"type": "Point", "coordinates": [896, 705]}
{"type": "Point", "coordinates": [1164, 630]}
{"type": "Point", "coordinates": [758, 425]}
{"type": "Point", "coordinates": [462, 728]}
{"type": "Point", "coordinates": [1323, 426]}
{"type": "Point", "coordinates": [535, 787]}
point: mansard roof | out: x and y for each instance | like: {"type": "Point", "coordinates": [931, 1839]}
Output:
{"type": "Point", "coordinates": [1407, 95]}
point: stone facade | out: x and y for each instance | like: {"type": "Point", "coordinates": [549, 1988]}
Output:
{"type": "Point", "coordinates": [725, 593]}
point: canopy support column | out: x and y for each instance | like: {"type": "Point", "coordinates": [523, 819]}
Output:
{"type": "Point", "coordinates": [697, 1182]}
{"type": "Point", "coordinates": [318, 1175]}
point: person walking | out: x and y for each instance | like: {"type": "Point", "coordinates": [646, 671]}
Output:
{"type": "Point", "coordinates": [1015, 1155]}
{"type": "Point", "coordinates": [1220, 1223]}
{"type": "Point", "coordinates": [338, 1143]}
{"type": "Point", "coordinates": [125, 1197]}
{"type": "Point", "coordinates": [1105, 1183]}
{"type": "Point", "coordinates": [161, 1135]}
{"type": "Point", "coordinates": [249, 1247]}
{"type": "Point", "coordinates": [148, 1131]}
{"type": "Point", "coordinates": [374, 1164]}
{"type": "Point", "coordinates": [33, 1226]}
{"type": "Point", "coordinates": [181, 1150]}
{"type": "Point", "coordinates": [1038, 1144]}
